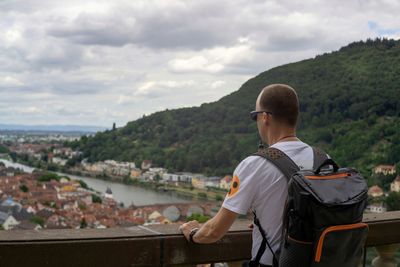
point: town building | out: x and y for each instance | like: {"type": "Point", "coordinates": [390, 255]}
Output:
{"type": "Point", "coordinates": [213, 181]}
{"type": "Point", "coordinates": [199, 182]}
{"type": "Point", "coordinates": [7, 221]}
{"type": "Point", "coordinates": [7, 171]}
{"type": "Point", "coordinates": [375, 191]}
{"type": "Point", "coordinates": [59, 161]}
{"type": "Point", "coordinates": [108, 193]}
{"type": "Point", "coordinates": [225, 182]}
{"type": "Point", "coordinates": [376, 208]}
{"type": "Point", "coordinates": [110, 167]}
{"type": "Point", "coordinates": [146, 164]}
{"type": "Point", "coordinates": [395, 185]}
{"type": "Point", "coordinates": [135, 173]}
{"type": "Point", "coordinates": [183, 177]}
{"type": "Point", "coordinates": [385, 169]}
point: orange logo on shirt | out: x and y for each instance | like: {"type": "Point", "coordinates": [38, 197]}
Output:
{"type": "Point", "coordinates": [234, 186]}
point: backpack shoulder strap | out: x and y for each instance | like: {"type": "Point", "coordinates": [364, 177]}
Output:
{"type": "Point", "coordinates": [319, 157]}
{"type": "Point", "coordinates": [288, 168]}
{"type": "Point", "coordinates": [280, 160]}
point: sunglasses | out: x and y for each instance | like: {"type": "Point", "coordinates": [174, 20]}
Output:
{"type": "Point", "coordinates": [254, 114]}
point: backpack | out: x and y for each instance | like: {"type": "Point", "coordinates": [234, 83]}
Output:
{"type": "Point", "coordinates": [322, 217]}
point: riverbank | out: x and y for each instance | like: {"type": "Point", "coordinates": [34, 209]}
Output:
{"type": "Point", "coordinates": [182, 189]}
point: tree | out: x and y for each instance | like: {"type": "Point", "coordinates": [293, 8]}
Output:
{"type": "Point", "coordinates": [47, 176]}
{"type": "Point", "coordinates": [393, 201]}
{"type": "Point", "coordinates": [23, 188]}
{"type": "Point", "coordinates": [4, 149]}
{"type": "Point", "coordinates": [37, 220]}
{"type": "Point", "coordinates": [218, 197]}
{"type": "Point", "coordinates": [198, 217]}
{"type": "Point", "coordinates": [52, 167]}
{"type": "Point", "coordinates": [96, 199]}
{"type": "Point", "coordinates": [202, 195]}
{"type": "Point", "coordinates": [384, 181]}
{"type": "Point", "coordinates": [13, 156]}
{"type": "Point", "coordinates": [157, 177]}
{"type": "Point", "coordinates": [83, 184]}
{"type": "Point", "coordinates": [83, 223]}
{"type": "Point", "coordinates": [44, 157]}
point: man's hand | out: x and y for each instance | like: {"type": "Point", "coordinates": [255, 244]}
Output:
{"type": "Point", "coordinates": [212, 230]}
{"type": "Point", "coordinates": [187, 227]}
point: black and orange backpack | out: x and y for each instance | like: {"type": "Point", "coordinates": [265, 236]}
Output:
{"type": "Point", "coordinates": [322, 219]}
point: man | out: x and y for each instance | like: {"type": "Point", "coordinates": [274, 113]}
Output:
{"type": "Point", "coordinates": [257, 183]}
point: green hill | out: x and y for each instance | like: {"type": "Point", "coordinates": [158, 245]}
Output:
{"type": "Point", "coordinates": [349, 101]}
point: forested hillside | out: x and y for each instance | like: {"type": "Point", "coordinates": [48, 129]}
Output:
{"type": "Point", "coordinates": [350, 106]}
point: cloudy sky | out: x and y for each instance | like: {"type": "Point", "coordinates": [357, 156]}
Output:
{"type": "Point", "coordinates": [97, 62]}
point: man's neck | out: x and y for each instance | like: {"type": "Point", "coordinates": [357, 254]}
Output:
{"type": "Point", "coordinates": [283, 136]}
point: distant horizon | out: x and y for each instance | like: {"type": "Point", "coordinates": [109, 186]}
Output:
{"type": "Point", "coordinates": [52, 127]}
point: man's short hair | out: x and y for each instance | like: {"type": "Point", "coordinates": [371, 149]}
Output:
{"type": "Point", "coordinates": [281, 100]}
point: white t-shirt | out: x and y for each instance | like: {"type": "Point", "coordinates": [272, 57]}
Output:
{"type": "Point", "coordinates": [257, 184]}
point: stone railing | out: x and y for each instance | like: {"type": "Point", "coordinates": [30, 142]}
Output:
{"type": "Point", "coordinates": [159, 245]}
{"type": "Point", "coordinates": [384, 235]}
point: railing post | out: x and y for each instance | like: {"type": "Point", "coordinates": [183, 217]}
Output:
{"type": "Point", "coordinates": [385, 256]}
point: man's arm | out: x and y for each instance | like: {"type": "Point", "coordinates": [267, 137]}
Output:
{"type": "Point", "coordinates": [213, 230]}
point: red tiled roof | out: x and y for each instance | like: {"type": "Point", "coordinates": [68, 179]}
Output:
{"type": "Point", "coordinates": [375, 189]}
{"type": "Point", "coordinates": [227, 178]}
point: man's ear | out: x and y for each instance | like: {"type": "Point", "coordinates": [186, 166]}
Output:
{"type": "Point", "coordinates": [266, 118]}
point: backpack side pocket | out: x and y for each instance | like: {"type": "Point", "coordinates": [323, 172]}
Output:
{"type": "Point", "coordinates": [339, 245]}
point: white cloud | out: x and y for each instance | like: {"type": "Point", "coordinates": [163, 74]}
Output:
{"type": "Point", "coordinates": [217, 84]}
{"type": "Point", "coordinates": [195, 63]}
{"type": "Point", "coordinates": [153, 86]}
{"type": "Point", "coordinates": [213, 60]}
{"type": "Point", "coordinates": [10, 37]}
{"type": "Point", "coordinates": [155, 89]}
{"type": "Point", "coordinates": [9, 81]}
{"type": "Point", "coordinates": [29, 110]}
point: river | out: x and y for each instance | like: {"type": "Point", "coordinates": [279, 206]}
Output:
{"type": "Point", "coordinates": [127, 194]}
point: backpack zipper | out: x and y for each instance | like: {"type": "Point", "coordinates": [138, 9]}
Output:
{"type": "Point", "coordinates": [334, 176]}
